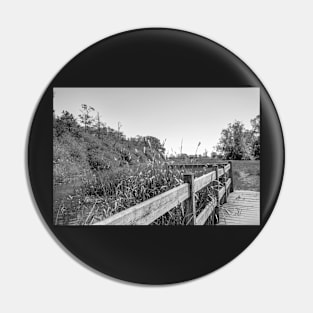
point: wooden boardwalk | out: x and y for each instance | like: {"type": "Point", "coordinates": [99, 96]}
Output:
{"type": "Point", "coordinates": [242, 208]}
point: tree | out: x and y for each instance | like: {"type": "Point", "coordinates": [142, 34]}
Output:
{"type": "Point", "coordinates": [65, 123]}
{"type": "Point", "coordinates": [85, 117]}
{"type": "Point", "coordinates": [234, 142]}
{"type": "Point", "coordinates": [99, 125]}
{"type": "Point", "coordinates": [213, 155]}
{"type": "Point", "coordinates": [154, 143]}
{"type": "Point", "coordinates": [119, 126]}
{"type": "Point", "coordinates": [238, 143]}
{"type": "Point", "coordinates": [255, 123]}
{"type": "Point", "coordinates": [118, 134]}
{"type": "Point", "coordinates": [54, 124]}
{"type": "Point", "coordinates": [256, 148]}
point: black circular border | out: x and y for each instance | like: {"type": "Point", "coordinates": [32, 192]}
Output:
{"type": "Point", "coordinates": [155, 57]}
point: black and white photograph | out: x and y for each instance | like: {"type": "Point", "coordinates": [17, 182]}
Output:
{"type": "Point", "coordinates": [156, 156]}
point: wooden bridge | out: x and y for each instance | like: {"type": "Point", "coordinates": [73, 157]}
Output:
{"type": "Point", "coordinates": [242, 208]}
{"type": "Point", "coordinates": [231, 207]}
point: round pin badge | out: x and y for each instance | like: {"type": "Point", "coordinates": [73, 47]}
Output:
{"type": "Point", "coordinates": [156, 156]}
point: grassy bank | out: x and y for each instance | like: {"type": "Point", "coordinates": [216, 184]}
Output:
{"type": "Point", "coordinates": [246, 175]}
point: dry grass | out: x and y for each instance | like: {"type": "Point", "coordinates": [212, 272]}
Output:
{"type": "Point", "coordinates": [246, 175]}
{"type": "Point", "coordinates": [94, 198]}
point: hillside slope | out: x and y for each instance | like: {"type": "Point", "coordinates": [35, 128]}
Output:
{"type": "Point", "coordinates": [78, 151]}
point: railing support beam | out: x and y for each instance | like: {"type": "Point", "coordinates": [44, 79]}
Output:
{"type": "Point", "coordinates": [225, 179]}
{"type": "Point", "coordinates": [231, 188]}
{"type": "Point", "coordinates": [190, 203]}
{"type": "Point", "coordinates": [217, 209]}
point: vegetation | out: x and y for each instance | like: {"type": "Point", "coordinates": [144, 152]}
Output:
{"type": "Point", "coordinates": [98, 172]}
{"type": "Point", "coordinates": [239, 143]}
{"type": "Point", "coordinates": [246, 175]}
{"type": "Point", "coordinates": [81, 148]}
{"type": "Point", "coordinates": [105, 194]}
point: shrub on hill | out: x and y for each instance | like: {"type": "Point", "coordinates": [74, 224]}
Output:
{"type": "Point", "coordinates": [78, 149]}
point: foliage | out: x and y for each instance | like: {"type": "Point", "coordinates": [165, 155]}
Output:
{"type": "Point", "coordinates": [246, 175]}
{"type": "Point", "coordinates": [104, 172]}
{"type": "Point", "coordinates": [85, 117]}
{"type": "Point", "coordinates": [256, 149]}
{"type": "Point", "coordinates": [66, 123]}
{"type": "Point", "coordinates": [87, 146]}
{"type": "Point", "coordinates": [69, 158]}
{"type": "Point", "coordinates": [107, 193]}
{"type": "Point", "coordinates": [238, 143]}
{"type": "Point", "coordinates": [213, 155]}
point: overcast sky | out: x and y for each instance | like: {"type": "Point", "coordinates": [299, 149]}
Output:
{"type": "Point", "coordinates": [191, 114]}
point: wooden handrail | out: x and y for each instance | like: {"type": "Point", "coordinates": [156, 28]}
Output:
{"type": "Point", "coordinates": [204, 180]}
{"type": "Point", "coordinates": [206, 212]}
{"type": "Point", "coordinates": [148, 211]}
{"type": "Point", "coordinates": [227, 167]}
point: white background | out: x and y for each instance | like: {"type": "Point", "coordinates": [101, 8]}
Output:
{"type": "Point", "coordinates": [274, 38]}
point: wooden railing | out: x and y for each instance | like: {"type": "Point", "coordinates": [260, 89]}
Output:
{"type": "Point", "coordinates": [148, 211]}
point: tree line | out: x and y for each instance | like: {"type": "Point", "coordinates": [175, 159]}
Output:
{"type": "Point", "coordinates": [238, 143]}
{"type": "Point", "coordinates": [87, 140]}
{"type": "Point", "coordinates": [235, 143]}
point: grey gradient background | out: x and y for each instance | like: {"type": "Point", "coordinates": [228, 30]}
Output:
{"type": "Point", "coordinates": [274, 38]}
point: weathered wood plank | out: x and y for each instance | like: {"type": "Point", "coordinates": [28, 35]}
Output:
{"type": "Point", "coordinates": [191, 165]}
{"type": "Point", "coordinates": [220, 172]}
{"type": "Point", "coordinates": [247, 196]}
{"type": "Point", "coordinates": [231, 189]}
{"type": "Point", "coordinates": [228, 182]}
{"type": "Point", "coordinates": [190, 203]}
{"type": "Point", "coordinates": [247, 199]}
{"type": "Point", "coordinates": [148, 211]}
{"type": "Point", "coordinates": [227, 168]}
{"type": "Point", "coordinates": [221, 192]}
{"type": "Point", "coordinates": [244, 200]}
{"type": "Point", "coordinates": [206, 212]}
{"type": "Point", "coordinates": [247, 192]}
{"type": "Point", "coordinates": [225, 185]}
{"type": "Point", "coordinates": [239, 216]}
{"type": "Point", "coordinates": [240, 211]}
{"type": "Point", "coordinates": [242, 203]}
{"type": "Point", "coordinates": [204, 180]}
{"type": "Point", "coordinates": [247, 223]}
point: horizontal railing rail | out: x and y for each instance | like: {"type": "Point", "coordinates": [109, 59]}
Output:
{"type": "Point", "coordinates": [195, 165]}
{"type": "Point", "coordinates": [148, 211]}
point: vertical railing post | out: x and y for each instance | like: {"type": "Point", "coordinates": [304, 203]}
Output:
{"type": "Point", "coordinates": [231, 188]}
{"type": "Point", "coordinates": [225, 180]}
{"type": "Point", "coordinates": [215, 168]}
{"type": "Point", "coordinates": [190, 203]}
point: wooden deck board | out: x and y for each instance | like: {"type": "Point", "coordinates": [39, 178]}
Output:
{"type": "Point", "coordinates": [242, 208]}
